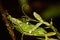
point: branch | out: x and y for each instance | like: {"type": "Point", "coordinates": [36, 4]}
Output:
{"type": "Point", "coordinates": [11, 32]}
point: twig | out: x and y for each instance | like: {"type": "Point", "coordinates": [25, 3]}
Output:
{"type": "Point", "coordinates": [11, 32]}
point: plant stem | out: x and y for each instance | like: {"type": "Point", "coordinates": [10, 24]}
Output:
{"type": "Point", "coordinates": [11, 32]}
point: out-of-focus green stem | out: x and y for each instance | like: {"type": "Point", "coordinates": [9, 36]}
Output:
{"type": "Point", "coordinates": [24, 6]}
{"type": "Point", "coordinates": [23, 2]}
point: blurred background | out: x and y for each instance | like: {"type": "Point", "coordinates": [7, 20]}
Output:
{"type": "Point", "coordinates": [46, 8]}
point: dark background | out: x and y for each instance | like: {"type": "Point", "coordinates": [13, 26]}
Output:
{"type": "Point", "coordinates": [14, 9]}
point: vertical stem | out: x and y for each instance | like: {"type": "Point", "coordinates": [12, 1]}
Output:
{"type": "Point", "coordinates": [22, 36]}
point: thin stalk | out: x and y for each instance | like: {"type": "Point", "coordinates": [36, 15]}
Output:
{"type": "Point", "coordinates": [11, 32]}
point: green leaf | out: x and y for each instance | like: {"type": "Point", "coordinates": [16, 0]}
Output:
{"type": "Point", "coordinates": [38, 17]}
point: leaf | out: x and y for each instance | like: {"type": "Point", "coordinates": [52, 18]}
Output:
{"type": "Point", "coordinates": [37, 16]}
{"type": "Point", "coordinates": [51, 34]}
